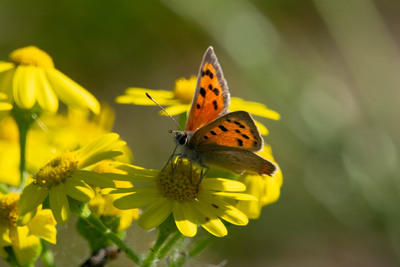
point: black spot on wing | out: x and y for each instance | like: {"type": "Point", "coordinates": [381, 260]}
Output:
{"type": "Point", "coordinates": [215, 104]}
{"type": "Point", "coordinates": [238, 123]}
{"type": "Point", "coordinates": [240, 142]}
{"type": "Point", "coordinates": [203, 92]}
{"type": "Point", "coordinates": [213, 133]}
{"type": "Point", "coordinates": [216, 91]}
{"type": "Point", "coordinates": [223, 128]}
{"type": "Point", "coordinates": [245, 136]}
{"type": "Point", "coordinates": [210, 86]}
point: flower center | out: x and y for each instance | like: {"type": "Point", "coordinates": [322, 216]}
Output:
{"type": "Point", "coordinates": [184, 89]}
{"type": "Point", "coordinates": [31, 55]}
{"type": "Point", "coordinates": [178, 181]}
{"type": "Point", "coordinates": [57, 170]}
{"type": "Point", "coordinates": [9, 209]}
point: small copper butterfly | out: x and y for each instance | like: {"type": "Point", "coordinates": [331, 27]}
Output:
{"type": "Point", "coordinates": [215, 136]}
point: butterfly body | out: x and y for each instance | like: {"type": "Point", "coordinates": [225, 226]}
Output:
{"type": "Point", "coordinates": [215, 136]}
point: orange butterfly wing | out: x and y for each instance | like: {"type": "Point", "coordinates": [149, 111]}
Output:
{"type": "Point", "coordinates": [235, 129]}
{"type": "Point", "coordinates": [211, 98]}
{"type": "Point", "coordinates": [230, 142]}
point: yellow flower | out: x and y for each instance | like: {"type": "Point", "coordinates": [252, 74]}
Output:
{"type": "Point", "coordinates": [67, 175]}
{"type": "Point", "coordinates": [50, 136]}
{"type": "Point", "coordinates": [264, 188]}
{"type": "Point", "coordinates": [102, 203]}
{"type": "Point", "coordinates": [175, 190]}
{"type": "Point", "coordinates": [180, 100]}
{"type": "Point", "coordinates": [66, 132]}
{"type": "Point", "coordinates": [30, 77]}
{"type": "Point", "coordinates": [24, 240]}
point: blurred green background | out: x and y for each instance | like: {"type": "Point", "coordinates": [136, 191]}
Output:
{"type": "Point", "coordinates": [330, 68]}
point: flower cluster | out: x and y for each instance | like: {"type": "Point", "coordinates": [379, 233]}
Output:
{"type": "Point", "coordinates": [56, 165]}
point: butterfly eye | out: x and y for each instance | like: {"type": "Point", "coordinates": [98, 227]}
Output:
{"type": "Point", "coordinates": [181, 138]}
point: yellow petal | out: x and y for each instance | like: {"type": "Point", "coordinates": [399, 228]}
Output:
{"type": "Point", "coordinates": [70, 92]}
{"type": "Point", "coordinates": [44, 225]}
{"type": "Point", "coordinates": [155, 214]}
{"type": "Point", "coordinates": [78, 189]}
{"type": "Point", "coordinates": [6, 82]}
{"type": "Point", "coordinates": [4, 236]}
{"type": "Point", "coordinates": [210, 222]}
{"type": "Point", "coordinates": [263, 130]}
{"type": "Point", "coordinates": [236, 196]}
{"type": "Point", "coordinates": [94, 178]}
{"type": "Point", "coordinates": [27, 247]}
{"type": "Point", "coordinates": [24, 86]}
{"type": "Point", "coordinates": [22, 238]}
{"type": "Point", "coordinates": [6, 66]}
{"type": "Point", "coordinates": [272, 191]}
{"type": "Point", "coordinates": [130, 178]}
{"type": "Point", "coordinates": [31, 197]}
{"type": "Point", "coordinates": [5, 106]}
{"type": "Point", "coordinates": [106, 191]}
{"type": "Point", "coordinates": [137, 174]}
{"type": "Point", "coordinates": [184, 218]}
{"type": "Point", "coordinates": [254, 108]}
{"type": "Point", "coordinates": [26, 218]}
{"type": "Point", "coordinates": [255, 185]}
{"type": "Point", "coordinates": [137, 96]}
{"type": "Point", "coordinates": [136, 200]}
{"type": "Point", "coordinates": [46, 97]}
{"type": "Point", "coordinates": [175, 109]}
{"type": "Point", "coordinates": [222, 209]}
{"type": "Point", "coordinates": [59, 203]}
{"type": "Point", "coordinates": [126, 218]}
{"type": "Point", "coordinates": [221, 184]}
{"type": "Point", "coordinates": [99, 149]}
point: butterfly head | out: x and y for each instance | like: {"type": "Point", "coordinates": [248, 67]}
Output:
{"type": "Point", "coordinates": [181, 138]}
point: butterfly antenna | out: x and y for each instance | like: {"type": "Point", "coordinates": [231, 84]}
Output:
{"type": "Point", "coordinates": [163, 109]}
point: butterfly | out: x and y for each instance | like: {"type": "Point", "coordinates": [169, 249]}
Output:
{"type": "Point", "coordinates": [215, 136]}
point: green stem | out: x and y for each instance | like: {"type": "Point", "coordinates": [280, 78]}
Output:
{"type": "Point", "coordinates": [47, 255]}
{"type": "Point", "coordinates": [24, 119]}
{"type": "Point", "coordinates": [196, 249]}
{"type": "Point", "coordinates": [162, 236]}
{"type": "Point", "coordinates": [23, 127]}
{"type": "Point", "coordinates": [201, 245]}
{"type": "Point", "coordinates": [170, 243]}
{"type": "Point", "coordinates": [98, 224]}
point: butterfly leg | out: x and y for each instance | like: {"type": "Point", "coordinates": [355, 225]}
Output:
{"type": "Point", "coordinates": [170, 158]}
{"type": "Point", "coordinates": [204, 170]}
